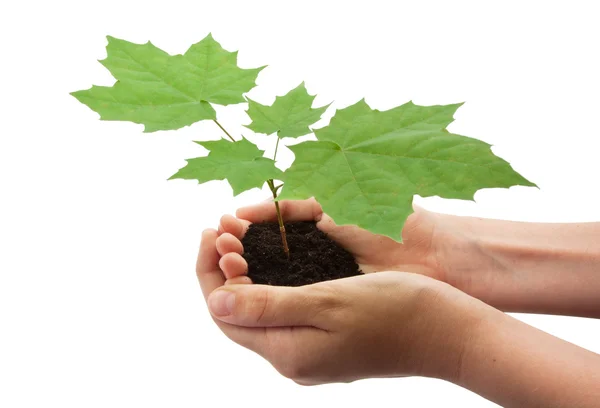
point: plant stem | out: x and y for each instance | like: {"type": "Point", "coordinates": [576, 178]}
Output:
{"type": "Point", "coordinates": [276, 146]}
{"type": "Point", "coordinates": [223, 129]}
{"type": "Point", "coordinates": [279, 218]}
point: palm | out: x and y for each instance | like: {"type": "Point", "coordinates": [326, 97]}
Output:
{"type": "Point", "coordinates": [427, 239]}
{"type": "Point", "coordinates": [374, 253]}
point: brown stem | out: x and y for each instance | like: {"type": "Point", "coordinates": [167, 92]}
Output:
{"type": "Point", "coordinates": [223, 129]}
{"type": "Point", "coordinates": [279, 218]}
{"type": "Point", "coordinates": [276, 147]}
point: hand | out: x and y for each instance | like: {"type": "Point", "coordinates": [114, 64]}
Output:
{"type": "Point", "coordinates": [379, 325]}
{"type": "Point", "coordinates": [435, 245]}
{"type": "Point", "coordinates": [372, 252]}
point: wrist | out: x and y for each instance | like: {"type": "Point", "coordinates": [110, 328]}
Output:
{"type": "Point", "coordinates": [521, 267]}
{"type": "Point", "coordinates": [463, 258]}
{"type": "Point", "coordinates": [453, 318]}
{"type": "Point", "coordinates": [430, 244]}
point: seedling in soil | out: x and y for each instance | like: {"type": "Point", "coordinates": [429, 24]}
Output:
{"type": "Point", "coordinates": [364, 168]}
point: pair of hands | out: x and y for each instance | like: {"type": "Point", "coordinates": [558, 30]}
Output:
{"type": "Point", "coordinates": [383, 324]}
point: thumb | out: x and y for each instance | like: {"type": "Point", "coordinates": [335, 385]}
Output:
{"type": "Point", "coordinates": [269, 306]}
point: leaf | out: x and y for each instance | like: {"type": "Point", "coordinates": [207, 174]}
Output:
{"type": "Point", "coordinates": [289, 116]}
{"type": "Point", "coordinates": [367, 165]}
{"type": "Point", "coordinates": [166, 92]}
{"type": "Point", "coordinates": [241, 163]}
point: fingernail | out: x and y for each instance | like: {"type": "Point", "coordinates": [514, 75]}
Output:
{"type": "Point", "coordinates": [221, 302]}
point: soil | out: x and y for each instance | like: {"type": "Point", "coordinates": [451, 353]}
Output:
{"type": "Point", "coordinates": [313, 256]}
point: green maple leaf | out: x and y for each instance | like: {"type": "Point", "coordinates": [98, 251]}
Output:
{"type": "Point", "coordinates": [289, 116]}
{"type": "Point", "coordinates": [165, 92]}
{"type": "Point", "coordinates": [367, 165]}
{"type": "Point", "coordinates": [240, 162]}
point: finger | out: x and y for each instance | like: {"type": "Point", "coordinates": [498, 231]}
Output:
{"type": "Point", "coordinates": [233, 226]}
{"type": "Point", "coordinates": [211, 278]}
{"type": "Point", "coordinates": [233, 265]}
{"type": "Point", "coordinates": [227, 243]}
{"type": "Point", "coordinates": [326, 224]}
{"type": "Point", "coordinates": [238, 280]}
{"type": "Point", "coordinates": [207, 266]}
{"type": "Point", "coordinates": [270, 306]}
{"type": "Point", "coordinates": [349, 236]}
{"type": "Point", "coordinates": [294, 210]}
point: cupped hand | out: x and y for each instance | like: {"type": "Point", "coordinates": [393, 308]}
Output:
{"type": "Point", "coordinates": [377, 325]}
{"type": "Point", "coordinates": [373, 253]}
{"type": "Point", "coordinates": [434, 245]}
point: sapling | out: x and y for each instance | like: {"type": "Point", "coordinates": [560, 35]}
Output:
{"type": "Point", "coordinates": [364, 168]}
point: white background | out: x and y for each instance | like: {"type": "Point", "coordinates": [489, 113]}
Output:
{"type": "Point", "coordinates": [99, 304]}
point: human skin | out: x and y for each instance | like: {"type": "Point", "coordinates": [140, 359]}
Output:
{"type": "Point", "coordinates": [388, 324]}
{"type": "Point", "coordinates": [513, 266]}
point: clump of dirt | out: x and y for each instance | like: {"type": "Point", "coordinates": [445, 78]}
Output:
{"type": "Point", "coordinates": [313, 256]}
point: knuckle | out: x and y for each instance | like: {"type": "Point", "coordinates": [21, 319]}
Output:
{"type": "Point", "coordinates": [294, 369]}
{"type": "Point", "coordinates": [316, 208]}
{"type": "Point", "coordinates": [286, 370]}
{"type": "Point", "coordinates": [257, 307]}
{"type": "Point", "coordinates": [294, 363]}
{"type": "Point", "coordinates": [326, 298]}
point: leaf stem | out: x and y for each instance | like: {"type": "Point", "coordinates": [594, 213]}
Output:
{"type": "Point", "coordinates": [279, 218]}
{"type": "Point", "coordinates": [276, 146]}
{"type": "Point", "coordinates": [223, 129]}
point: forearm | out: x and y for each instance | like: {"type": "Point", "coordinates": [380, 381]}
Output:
{"type": "Point", "coordinates": [516, 365]}
{"type": "Point", "coordinates": [528, 267]}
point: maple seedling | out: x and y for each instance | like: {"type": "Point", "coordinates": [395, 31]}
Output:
{"type": "Point", "coordinates": [364, 168]}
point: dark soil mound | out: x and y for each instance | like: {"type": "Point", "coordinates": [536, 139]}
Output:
{"type": "Point", "coordinates": [313, 256]}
